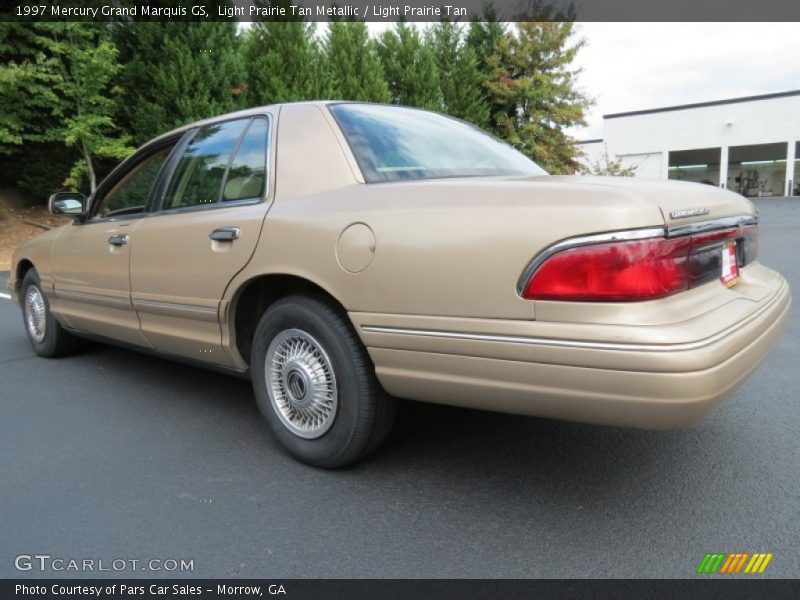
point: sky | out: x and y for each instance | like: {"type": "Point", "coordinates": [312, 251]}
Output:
{"type": "Point", "coordinates": [636, 66]}
{"type": "Point", "coordinates": [633, 66]}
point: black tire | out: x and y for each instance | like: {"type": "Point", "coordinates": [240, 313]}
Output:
{"type": "Point", "coordinates": [57, 341]}
{"type": "Point", "coordinates": [364, 412]}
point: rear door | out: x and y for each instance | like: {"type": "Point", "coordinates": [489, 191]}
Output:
{"type": "Point", "coordinates": [206, 229]}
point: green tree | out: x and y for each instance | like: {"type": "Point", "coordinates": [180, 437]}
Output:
{"type": "Point", "coordinates": [410, 67]}
{"type": "Point", "coordinates": [85, 63]}
{"type": "Point", "coordinates": [534, 95]}
{"type": "Point", "coordinates": [21, 76]}
{"type": "Point", "coordinates": [176, 73]}
{"type": "Point", "coordinates": [354, 67]}
{"type": "Point", "coordinates": [284, 62]}
{"type": "Point", "coordinates": [483, 36]}
{"type": "Point", "coordinates": [460, 76]}
{"type": "Point", "coordinates": [29, 159]}
{"type": "Point", "coordinates": [66, 70]}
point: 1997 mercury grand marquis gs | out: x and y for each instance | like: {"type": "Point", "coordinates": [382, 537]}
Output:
{"type": "Point", "coordinates": [345, 254]}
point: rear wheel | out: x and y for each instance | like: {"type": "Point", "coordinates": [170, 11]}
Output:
{"type": "Point", "coordinates": [46, 335]}
{"type": "Point", "coordinates": [316, 385]}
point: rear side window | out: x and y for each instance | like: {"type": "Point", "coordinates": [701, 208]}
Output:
{"type": "Point", "coordinates": [247, 175]}
{"type": "Point", "coordinates": [224, 162]}
{"type": "Point", "coordinates": [201, 169]}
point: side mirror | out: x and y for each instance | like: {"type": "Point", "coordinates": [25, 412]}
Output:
{"type": "Point", "coordinates": [71, 204]}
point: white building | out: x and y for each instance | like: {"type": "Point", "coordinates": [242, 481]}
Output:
{"type": "Point", "coordinates": [749, 145]}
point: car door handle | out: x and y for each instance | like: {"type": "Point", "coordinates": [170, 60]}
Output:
{"type": "Point", "coordinates": [119, 239]}
{"type": "Point", "coordinates": [224, 234]}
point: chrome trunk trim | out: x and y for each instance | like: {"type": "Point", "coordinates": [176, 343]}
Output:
{"type": "Point", "coordinates": [711, 225]}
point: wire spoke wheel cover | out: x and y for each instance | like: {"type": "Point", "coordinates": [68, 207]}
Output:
{"type": "Point", "coordinates": [35, 314]}
{"type": "Point", "coordinates": [301, 383]}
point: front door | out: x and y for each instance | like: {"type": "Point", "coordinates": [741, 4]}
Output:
{"type": "Point", "coordinates": [210, 219]}
{"type": "Point", "coordinates": [91, 258]}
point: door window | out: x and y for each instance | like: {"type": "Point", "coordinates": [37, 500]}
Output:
{"type": "Point", "coordinates": [201, 170]}
{"type": "Point", "coordinates": [130, 194]}
{"type": "Point", "coordinates": [248, 173]}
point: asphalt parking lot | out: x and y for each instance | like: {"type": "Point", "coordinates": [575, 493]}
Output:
{"type": "Point", "coordinates": [113, 454]}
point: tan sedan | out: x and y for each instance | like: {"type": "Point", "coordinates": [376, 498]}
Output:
{"type": "Point", "coordinates": [342, 255]}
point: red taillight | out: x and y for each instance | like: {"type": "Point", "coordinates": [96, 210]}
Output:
{"type": "Point", "coordinates": [631, 270]}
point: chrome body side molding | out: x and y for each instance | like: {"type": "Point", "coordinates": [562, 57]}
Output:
{"type": "Point", "coordinates": [91, 298]}
{"type": "Point", "coordinates": [189, 311]}
{"type": "Point", "coordinates": [570, 343]}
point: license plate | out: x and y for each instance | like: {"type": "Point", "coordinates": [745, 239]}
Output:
{"type": "Point", "coordinates": [730, 270]}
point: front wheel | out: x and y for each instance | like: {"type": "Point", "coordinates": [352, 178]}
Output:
{"type": "Point", "coordinates": [45, 333]}
{"type": "Point", "coordinates": [316, 385]}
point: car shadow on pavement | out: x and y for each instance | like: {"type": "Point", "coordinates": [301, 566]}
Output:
{"type": "Point", "coordinates": [572, 468]}
{"type": "Point", "coordinates": [470, 452]}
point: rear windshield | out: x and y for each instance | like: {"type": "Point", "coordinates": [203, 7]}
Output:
{"type": "Point", "coordinates": [392, 143]}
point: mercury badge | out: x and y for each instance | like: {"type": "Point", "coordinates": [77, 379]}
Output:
{"type": "Point", "coordinates": [688, 212]}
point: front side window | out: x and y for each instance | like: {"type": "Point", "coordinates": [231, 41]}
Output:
{"type": "Point", "coordinates": [130, 194]}
{"type": "Point", "coordinates": [392, 143]}
{"type": "Point", "coordinates": [202, 167]}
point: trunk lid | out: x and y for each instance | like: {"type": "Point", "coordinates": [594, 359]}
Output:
{"type": "Point", "coordinates": [680, 202]}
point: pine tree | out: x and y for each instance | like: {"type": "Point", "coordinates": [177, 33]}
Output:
{"type": "Point", "coordinates": [460, 77]}
{"type": "Point", "coordinates": [533, 93]}
{"type": "Point", "coordinates": [177, 72]}
{"type": "Point", "coordinates": [284, 62]}
{"type": "Point", "coordinates": [410, 67]}
{"type": "Point", "coordinates": [354, 67]}
{"type": "Point", "coordinates": [484, 37]}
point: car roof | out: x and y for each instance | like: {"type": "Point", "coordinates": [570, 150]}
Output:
{"type": "Point", "coordinates": [247, 112]}
{"type": "Point", "coordinates": [254, 111]}
{"type": "Point", "coordinates": [258, 110]}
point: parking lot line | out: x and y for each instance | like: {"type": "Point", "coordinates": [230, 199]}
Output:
{"type": "Point", "coordinates": [6, 296]}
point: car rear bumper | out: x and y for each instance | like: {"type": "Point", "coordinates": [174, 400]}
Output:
{"type": "Point", "coordinates": [648, 384]}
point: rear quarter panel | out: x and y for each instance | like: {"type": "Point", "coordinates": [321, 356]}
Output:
{"type": "Point", "coordinates": [443, 248]}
